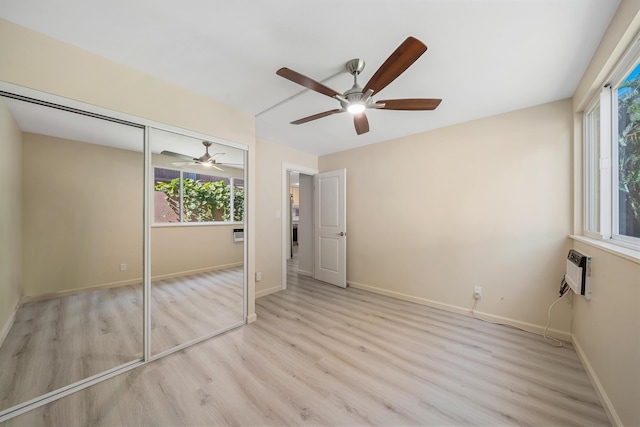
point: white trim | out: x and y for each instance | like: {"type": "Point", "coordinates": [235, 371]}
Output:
{"type": "Point", "coordinates": [265, 292]}
{"type": "Point", "coordinates": [629, 254]}
{"type": "Point", "coordinates": [590, 167]}
{"type": "Point", "coordinates": [181, 222]}
{"type": "Point", "coordinates": [466, 311]}
{"type": "Point", "coordinates": [605, 159]}
{"type": "Point", "coordinates": [305, 273]}
{"type": "Point", "coordinates": [136, 281]}
{"type": "Point", "coordinates": [195, 224]}
{"type": "Point", "coordinates": [609, 409]}
{"type": "Point", "coordinates": [9, 323]}
{"type": "Point", "coordinates": [287, 167]}
{"type": "Point", "coordinates": [195, 341]}
{"type": "Point", "coordinates": [245, 245]}
{"type": "Point", "coordinates": [67, 102]}
{"type": "Point", "coordinates": [44, 399]}
{"type": "Point", "coordinates": [146, 248]}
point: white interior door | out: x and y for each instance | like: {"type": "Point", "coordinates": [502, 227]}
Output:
{"type": "Point", "coordinates": [330, 231]}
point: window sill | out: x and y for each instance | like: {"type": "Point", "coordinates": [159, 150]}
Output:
{"type": "Point", "coordinates": [196, 224]}
{"type": "Point", "coordinates": [626, 253]}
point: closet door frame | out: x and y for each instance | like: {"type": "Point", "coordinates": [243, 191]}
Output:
{"type": "Point", "coordinates": [55, 101]}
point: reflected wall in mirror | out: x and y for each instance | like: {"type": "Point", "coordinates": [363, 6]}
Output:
{"type": "Point", "coordinates": [71, 248]}
{"type": "Point", "coordinates": [197, 244]}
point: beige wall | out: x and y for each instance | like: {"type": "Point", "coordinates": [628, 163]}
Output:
{"type": "Point", "coordinates": [481, 203]}
{"type": "Point", "coordinates": [305, 226]}
{"type": "Point", "coordinates": [82, 214]}
{"type": "Point", "coordinates": [82, 217]}
{"type": "Point", "coordinates": [176, 250]}
{"type": "Point", "coordinates": [605, 328]}
{"type": "Point", "coordinates": [39, 62]}
{"type": "Point", "coordinates": [269, 201]}
{"type": "Point", "coordinates": [10, 218]}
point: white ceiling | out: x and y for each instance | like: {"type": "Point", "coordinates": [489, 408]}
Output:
{"type": "Point", "coordinates": [485, 57]}
{"type": "Point", "coordinates": [54, 122]}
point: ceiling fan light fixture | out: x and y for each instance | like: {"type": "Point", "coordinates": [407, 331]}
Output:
{"type": "Point", "coordinates": [357, 99]}
{"type": "Point", "coordinates": [356, 108]}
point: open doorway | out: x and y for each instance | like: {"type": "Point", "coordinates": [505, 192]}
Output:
{"type": "Point", "coordinates": [300, 223]}
{"type": "Point", "coordinates": [297, 220]}
{"type": "Point", "coordinates": [318, 201]}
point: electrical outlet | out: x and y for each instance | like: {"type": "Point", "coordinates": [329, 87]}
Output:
{"type": "Point", "coordinates": [123, 267]}
{"type": "Point", "coordinates": [258, 276]}
{"type": "Point", "coordinates": [477, 292]}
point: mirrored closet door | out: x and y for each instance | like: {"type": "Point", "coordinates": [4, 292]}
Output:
{"type": "Point", "coordinates": [73, 255]}
{"type": "Point", "coordinates": [197, 239]}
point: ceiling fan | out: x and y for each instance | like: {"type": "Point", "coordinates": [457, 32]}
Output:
{"type": "Point", "coordinates": [357, 99]}
{"type": "Point", "coordinates": [206, 159]}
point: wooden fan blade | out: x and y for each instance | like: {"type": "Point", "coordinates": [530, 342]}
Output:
{"type": "Point", "coordinates": [178, 155]}
{"type": "Point", "coordinates": [405, 55]}
{"type": "Point", "coordinates": [316, 116]}
{"type": "Point", "coordinates": [307, 82]}
{"type": "Point", "coordinates": [410, 104]}
{"type": "Point", "coordinates": [361, 123]}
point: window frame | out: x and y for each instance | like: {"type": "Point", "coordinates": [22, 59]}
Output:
{"type": "Point", "coordinates": [607, 195]}
{"type": "Point", "coordinates": [181, 222]}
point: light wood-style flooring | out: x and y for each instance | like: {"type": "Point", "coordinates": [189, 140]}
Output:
{"type": "Point", "coordinates": [322, 355]}
{"type": "Point", "coordinates": [56, 342]}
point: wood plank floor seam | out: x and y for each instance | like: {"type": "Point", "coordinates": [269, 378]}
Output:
{"type": "Point", "coordinates": [322, 355]}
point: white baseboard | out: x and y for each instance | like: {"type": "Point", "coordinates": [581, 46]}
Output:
{"type": "Point", "coordinates": [75, 291]}
{"type": "Point", "coordinates": [529, 327]}
{"type": "Point", "coordinates": [305, 273]}
{"type": "Point", "coordinates": [265, 292]}
{"type": "Point", "coordinates": [597, 385]}
{"type": "Point", "coordinates": [252, 318]}
{"type": "Point", "coordinates": [9, 323]}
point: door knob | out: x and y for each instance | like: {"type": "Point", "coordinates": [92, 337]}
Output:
{"type": "Point", "coordinates": [342, 233]}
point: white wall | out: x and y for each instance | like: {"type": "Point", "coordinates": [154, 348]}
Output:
{"type": "Point", "coordinates": [606, 332]}
{"type": "Point", "coordinates": [82, 218]}
{"type": "Point", "coordinates": [269, 202]}
{"type": "Point", "coordinates": [305, 227]}
{"type": "Point", "coordinates": [10, 218]}
{"type": "Point", "coordinates": [82, 214]}
{"type": "Point", "coordinates": [606, 328]}
{"type": "Point", "coordinates": [35, 61]}
{"type": "Point", "coordinates": [480, 203]}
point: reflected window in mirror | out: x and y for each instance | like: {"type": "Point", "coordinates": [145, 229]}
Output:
{"type": "Point", "coordinates": [188, 197]}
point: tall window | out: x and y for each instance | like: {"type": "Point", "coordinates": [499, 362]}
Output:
{"type": "Point", "coordinates": [628, 155]}
{"type": "Point", "coordinates": [188, 197]}
{"type": "Point", "coordinates": [612, 157]}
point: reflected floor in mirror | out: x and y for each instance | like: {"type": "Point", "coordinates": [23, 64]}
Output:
{"type": "Point", "coordinates": [59, 341]}
{"type": "Point", "coordinates": [323, 355]}
{"type": "Point", "coordinates": [189, 307]}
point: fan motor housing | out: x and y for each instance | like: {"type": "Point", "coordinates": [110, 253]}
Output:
{"type": "Point", "coordinates": [355, 66]}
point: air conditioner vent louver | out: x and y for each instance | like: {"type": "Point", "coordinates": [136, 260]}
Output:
{"type": "Point", "coordinates": [578, 273]}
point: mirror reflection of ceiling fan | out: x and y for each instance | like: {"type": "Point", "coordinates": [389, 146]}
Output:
{"type": "Point", "coordinates": [357, 99]}
{"type": "Point", "coordinates": [206, 160]}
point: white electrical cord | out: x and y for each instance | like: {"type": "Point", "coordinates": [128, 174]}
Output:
{"type": "Point", "coordinates": [550, 340]}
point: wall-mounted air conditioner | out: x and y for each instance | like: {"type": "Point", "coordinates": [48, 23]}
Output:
{"type": "Point", "coordinates": [578, 274]}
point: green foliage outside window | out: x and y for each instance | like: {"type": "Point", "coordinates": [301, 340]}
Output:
{"type": "Point", "coordinates": [629, 152]}
{"type": "Point", "coordinates": [203, 201]}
